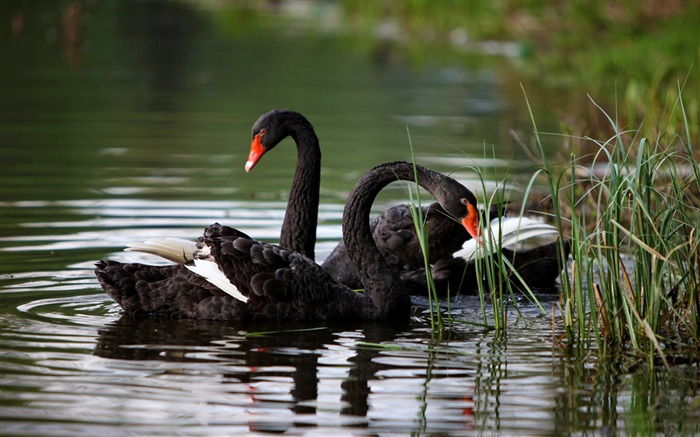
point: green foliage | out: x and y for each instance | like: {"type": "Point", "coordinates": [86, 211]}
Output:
{"type": "Point", "coordinates": [501, 284]}
{"type": "Point", "coordinates": [635, 246]}
{"type": "Point", "coordinates": [420, 224]}
{"type": "Point", "coordinates": [621, 52]}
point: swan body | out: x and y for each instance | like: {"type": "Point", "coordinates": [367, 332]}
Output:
{"type": "Point", "coordinates": [275, 283]}
{"type": "Point", "coordinates": [395, 235]}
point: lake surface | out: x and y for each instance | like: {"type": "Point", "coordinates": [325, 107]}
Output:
{"type": "Point", "coordinates": [140, 128]}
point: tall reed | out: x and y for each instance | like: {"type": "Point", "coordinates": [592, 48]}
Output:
{"type": "Point", "coordinates": [501, 284]}
{"type": "Point", "coordinates": [635, 273]}
{"type": "Point", "coordinates": [420, 224]}
{"type": "Point", "coordinates": [499, 277]}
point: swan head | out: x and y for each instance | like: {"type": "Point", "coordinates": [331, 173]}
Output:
{"type": "Point", "coordinates": [461, 204]}
{"type": "Point", "coordinates": [271, 128]}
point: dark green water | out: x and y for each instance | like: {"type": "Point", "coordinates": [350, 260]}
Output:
{"type": "Point", "coordinates": [141, 129]}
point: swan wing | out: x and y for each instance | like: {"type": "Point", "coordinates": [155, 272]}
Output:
{"type": "Point", "coordinates": [513, 231]}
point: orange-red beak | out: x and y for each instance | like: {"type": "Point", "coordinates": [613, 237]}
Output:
{"type": "Point", "coordinates": [471, 222]}
{"type": "Point", "coordinates": [256, 152]}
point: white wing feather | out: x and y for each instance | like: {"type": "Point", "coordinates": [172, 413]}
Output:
{"type": "Point", "coordinates": [514, 231]}
{"type": "Point", "coordinates": [211, 272]}
{"type": "Point", "coordinates": [177, 250]}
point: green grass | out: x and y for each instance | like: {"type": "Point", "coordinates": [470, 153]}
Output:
{"type": "Point", "coordinates": [502, 286]}
{"type": "Point", "coordinates": [420, 224]}
{"type": "Point", "coordinates": [635, 215]}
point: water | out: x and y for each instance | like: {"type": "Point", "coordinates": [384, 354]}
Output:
{"type": "Point", "coordinates": [141, 131]}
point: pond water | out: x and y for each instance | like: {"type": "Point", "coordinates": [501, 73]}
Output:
{"type": "Point", "coordinates": [123, 121]}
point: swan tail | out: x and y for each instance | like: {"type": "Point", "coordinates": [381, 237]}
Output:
{"type": "Point", "coordinates": [211, 272]}
{"type": "Point", "coordinates": [177, 250]}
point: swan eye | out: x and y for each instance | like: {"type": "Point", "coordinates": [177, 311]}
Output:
{"type": "Point", "coordinates": [262, 132]}
{"type": "Point", "coordinates": [471, 209]}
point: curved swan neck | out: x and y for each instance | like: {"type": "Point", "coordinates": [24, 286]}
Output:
{"type": "Point", "coordinates": [300, 220]}
{"type": "Point", "coordinates": [381, 283]}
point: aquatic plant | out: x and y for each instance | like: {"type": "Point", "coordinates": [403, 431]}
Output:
{"type": "Point", "coordinates": [634, 217]}
{"type": "Point", "coordinates": [420, 223]}
{"type": "Point", "coordinates": [499, 282]}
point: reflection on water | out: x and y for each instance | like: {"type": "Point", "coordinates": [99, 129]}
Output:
{"type": "Point", "coordinates": [123, 121]}
{"type": "Point", "coordinates": [148, 375]}
{"type": "Point", "coordinates": [275, 378]}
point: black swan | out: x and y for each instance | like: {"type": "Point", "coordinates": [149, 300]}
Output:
{"type": "Point", "coordinates": [243, 279]}
{"type": "Point", "coordinates": [393, 231]}
{"type": "Point", "coordinates": [299, 227]}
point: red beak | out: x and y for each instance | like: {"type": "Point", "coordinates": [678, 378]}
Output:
{"type": "Point", "coordinates": [471, 222]}
{"type": "Point", "coordinates": [256, 152]}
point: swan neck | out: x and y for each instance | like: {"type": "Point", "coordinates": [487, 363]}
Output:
{"type": "Point", "coordinates": [381, 282]}
{"type": "Point", "coordinates": [301, 218]}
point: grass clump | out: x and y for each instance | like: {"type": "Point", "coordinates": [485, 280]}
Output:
{"type": "Point", "coordinates": [500, 278]}
{"type": "Point", "coordinates": [634, 208]}
{"type": "Point", "coordinates": [496, 280]}
{"type": "Point", "coordinates": [502, 285]}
